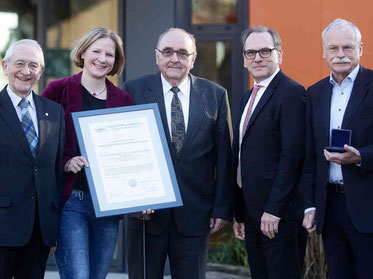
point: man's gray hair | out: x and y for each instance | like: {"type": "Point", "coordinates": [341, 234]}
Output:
{"type": "Point", "coordinates": [10, 51]}
{"type": "Point", "coordinates": [261, 29]}
{"type": "Point", "coordinates": [340, 23]}
{"type": "Point", "coordinates": [177, 29]}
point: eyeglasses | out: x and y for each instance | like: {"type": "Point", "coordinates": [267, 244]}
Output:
{"type": "Point", "coordinates": [181, 54]}
{"type": "Point", "coordinates": [20, 64]}
{"type": "Point", "coordinates": [335, 49]}
{"type": "Point", "coordinates": [263, 52]}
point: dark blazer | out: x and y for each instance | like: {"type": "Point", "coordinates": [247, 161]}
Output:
{"type": "Point", "coordinates": [68, 92]}
{"type": "Point", "coordinates": [272, 153]}
{"type": "Point", "coordinates": [24, 178]}
{"type": "Point", "coordinates": [203, 165]}
{"type": "Point", "coordinates": [358, 181]}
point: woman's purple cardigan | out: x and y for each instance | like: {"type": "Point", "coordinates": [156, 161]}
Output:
{"type": "Point", "coordinates": [68, 92]}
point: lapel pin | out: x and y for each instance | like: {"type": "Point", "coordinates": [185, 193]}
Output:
{"type": "Point", "coordinates": [46, 114]}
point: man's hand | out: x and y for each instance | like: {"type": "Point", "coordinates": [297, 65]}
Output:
{"type": "Point", "coordinates": [309, 222]}
{"type": "Point", "coordinates": [52, 250]}
{"type": "Point", "coordinates": [75, 164]}
{"type": "Point", "coordinates": [239, 230]}
{"type": "Point", "coordinates": [269, 225]}
{"type": "Point", "coordinates": [216, 224]}
{"type": "Point", "coordinates": [144, 215]}
{"type": "Point", "coordinates": [351, 156]}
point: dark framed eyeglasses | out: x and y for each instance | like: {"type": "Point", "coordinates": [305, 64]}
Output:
{"type": "Point", "coordinates": [169, 52]}
{"type": "Point", "coordinates": [263, 52]}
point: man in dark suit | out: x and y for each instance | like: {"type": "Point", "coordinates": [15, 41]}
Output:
{"type": "Point", "coordinates": [31, 142]}
{"type": "Point", "coordinates": [338, 187]}
{"type": "Point", "coordinates": [194, 115]}
{"type": "Point", "coordinates": [268, 152]}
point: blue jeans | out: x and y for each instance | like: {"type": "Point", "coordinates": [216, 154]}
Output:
{"type": "Point", "coordinates": [85, 244]}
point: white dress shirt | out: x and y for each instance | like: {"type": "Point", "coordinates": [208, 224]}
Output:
{"type": "Point", "coordinates": [183, 95]}
{"type": "Point", "coordinates": [259, 95]}
{"type": "Point", "coordinates": [31, 108]}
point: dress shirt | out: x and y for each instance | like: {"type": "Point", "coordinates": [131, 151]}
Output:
{"type": "Point", "coordinates": [340, 96]}
{"type": "Point", "coordinates": [183, 95]}
{"type": "Point", "coordinates": [31, 108]}
{"type": "Point", "coordinates": [259, 95]}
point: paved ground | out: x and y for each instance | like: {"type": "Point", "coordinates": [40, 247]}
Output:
{"type": "Point", "coordinates": [54, 275]}
{"type": "Point", "coordinates": [209, 275]}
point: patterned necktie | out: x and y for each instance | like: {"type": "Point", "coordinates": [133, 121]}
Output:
{"type": "Point", "coordinates": [28, 126]}
{"type": "Point", "coordinates": [244, 127]}
{"type": "Point", "coordinates": [177, 121]}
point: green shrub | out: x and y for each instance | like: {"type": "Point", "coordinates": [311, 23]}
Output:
{"type": "Point", "coordinates": [229, 251]}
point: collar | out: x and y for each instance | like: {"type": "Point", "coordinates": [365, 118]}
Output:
{"type": "Point", "coordinates": [268, 80]}
{"type": "Point", "coordinates": [351, 77]}
{"type": "Point", "coordinates": [16, 99]}
{"type": "Point", "coordinates": [184, 86]}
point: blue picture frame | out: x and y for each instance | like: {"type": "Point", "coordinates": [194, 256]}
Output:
{"type": "Point", "coordinates": [97, 126]}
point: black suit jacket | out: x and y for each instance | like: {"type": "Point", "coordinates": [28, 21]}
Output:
{"type": "Point", "coordinates": [358, 181]}
{"type": "Point", "coordinates": [25, 179]}
{"type": "Point", "coordinates": [202, 166]}
{"type": "Point", "coordinates": [272, 153]}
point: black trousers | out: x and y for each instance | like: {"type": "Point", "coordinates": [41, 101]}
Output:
{"type": "Point", "coordinates": [278, 258]}
{"type": "Point", "coordinates": [349, 253]}
{"type": "Point", "coordinates": [25, 262]}
{"type": "Point", "coordinates": [187, 255]}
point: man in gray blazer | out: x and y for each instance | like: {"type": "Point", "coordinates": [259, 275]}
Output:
{"type": "Point", "coordinates": [194, 115]}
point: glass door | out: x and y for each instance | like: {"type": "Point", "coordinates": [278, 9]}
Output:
{"type": "Point", "coordinates": [217, 26]}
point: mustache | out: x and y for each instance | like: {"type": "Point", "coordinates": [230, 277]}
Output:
{"type": "Point", "coordinates": [341, 60]}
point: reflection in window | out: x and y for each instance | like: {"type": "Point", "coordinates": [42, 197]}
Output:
{"type": "Point", "coordinates": [214, 11]}
{"type": "Point", "coordinates": [67, 21]}
{"type": "Point", "coordinates": [17, 22]}
{"type": "Point", "coordinates": [214, 62]}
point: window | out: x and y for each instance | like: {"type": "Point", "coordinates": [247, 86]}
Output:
{"type": "Point", "coordinates": [217, 26]}
{"type": "Point", "coordinates": [214, 11]}
{"type": "Point", "coordinates": [17, 22]}
{"type": "Point", "coordinates": [66, 22]}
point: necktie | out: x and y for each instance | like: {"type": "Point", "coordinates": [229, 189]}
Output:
{"type": "Point", "coordinates": [177, 121]}
{"type": "Point", "coordinates": [244, 127]}
{"type": "Point", "coordinates": [28, 126]}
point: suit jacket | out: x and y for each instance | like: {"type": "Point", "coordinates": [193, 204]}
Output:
{"type": "Point", "coordinates": [25, 179]}
{"type": "Point", "coordinates": [202, 166]}
{"type": "Point", "coordinates": [358, 181]}
{"type": "Point", "coordinates": [68, 92]}
{"type": "Point", "coordinates": [272, 152]}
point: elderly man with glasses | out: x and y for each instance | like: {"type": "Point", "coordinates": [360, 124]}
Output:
{"type": "Point", "coordinates": [268, 153]}
{"type": "Point", "coordinates": [338, 186]}
{"type": "Point", "coordinates": [32, 130]}
{"type": "Point", "coordinates": [194, 113]}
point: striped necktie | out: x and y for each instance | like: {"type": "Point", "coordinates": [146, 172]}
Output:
{"type": "Point", "coordinates": [28, 125]}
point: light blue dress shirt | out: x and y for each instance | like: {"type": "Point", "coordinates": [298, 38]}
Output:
{"type": "Point", "coordinates": [340, 96]}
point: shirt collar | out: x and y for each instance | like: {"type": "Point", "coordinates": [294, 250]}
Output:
{"type": "Point", "coordinates": [268, 80]}
{"type": "Point", "coordinates": [16, 99]}
{"type": "Point", "coordinates": [351, 77]}
{"type": "Point", "coordinates": [184, 86]}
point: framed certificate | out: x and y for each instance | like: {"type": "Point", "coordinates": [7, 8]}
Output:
{"type": "Point", "coordinates": [130, 167]}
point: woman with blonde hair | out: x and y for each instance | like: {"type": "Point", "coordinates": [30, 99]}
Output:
{"type": "Point", "coordinates": [86, 244]}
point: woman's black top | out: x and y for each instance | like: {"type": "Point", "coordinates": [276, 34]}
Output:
{"type": "Point", "coordinates": [89, 102]}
